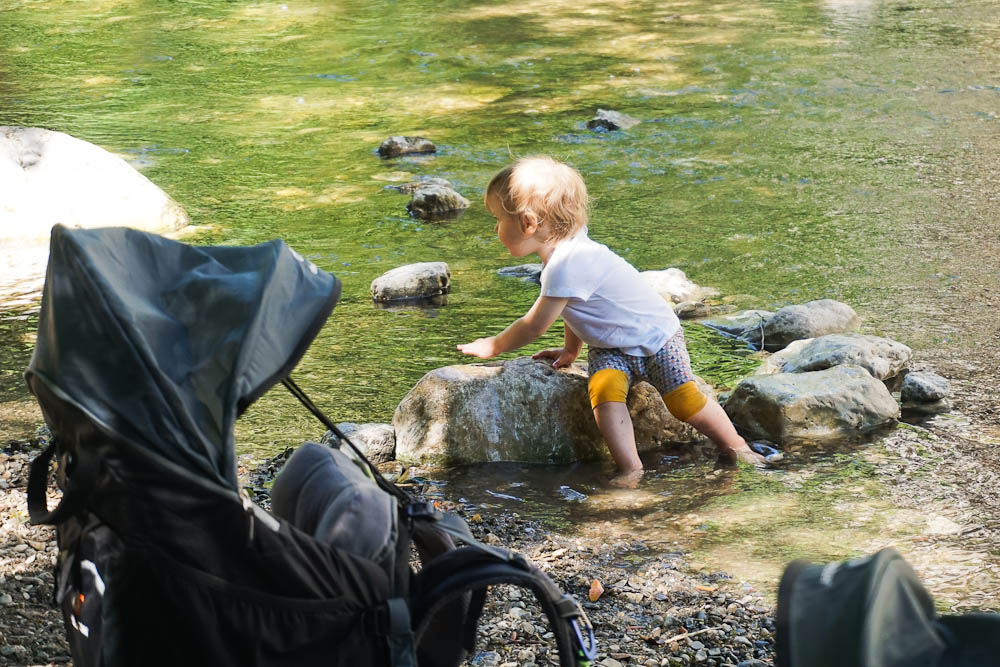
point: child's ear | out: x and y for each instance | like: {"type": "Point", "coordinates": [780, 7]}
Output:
{"type": "Point", "coordinates": [529, 222]}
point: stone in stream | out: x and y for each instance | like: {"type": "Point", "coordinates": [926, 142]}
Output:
{"type": "Point", "coordinates": [808, 320]}
{"type": "Point", "coordinates": [836, 404]}
{"type": "Point", "coordinates": [436, 202]}
{"type": "Point", "coordinates": [423, 280]}
{"type": "Point", "coordinates": [673, 285]}
{"type": "Point", "coordinates": [518, 410]}
{"type": "Point", "coordinates": [376, 441]}
{"type": "Point", "coordinates": [606, 120]}
{"type": "Point", "coordinates": [531, 273]}
{"type": "Point", "coordinates": [924, 394]}
{"type": "Point", "coordinates": [49, 177]}
{"type": "Point", "coordinates": [747, 325]}
{"type": "Point", "coordinates": [399, 145]}
{"type": "Point", "coordinates": [884, 358]}
{"type": "Point", "coordinates": [413, 186]}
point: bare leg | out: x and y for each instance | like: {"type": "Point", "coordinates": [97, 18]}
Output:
{"type": "Point", "coordinates": [713, 421]}
{"type": "Point", "coordinates": [616, 426]}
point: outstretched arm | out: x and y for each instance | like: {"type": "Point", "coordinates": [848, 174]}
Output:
{"type": "Point", "coordinates": [524, 330]}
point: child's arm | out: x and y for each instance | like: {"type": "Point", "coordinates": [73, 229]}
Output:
{"type": "Point", "coordinates": [524, 330]}
{"type": "Point", "coordinates": [566, 354]}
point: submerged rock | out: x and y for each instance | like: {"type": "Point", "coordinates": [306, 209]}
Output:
{"type": "Point", "coordinates": [413, 281]}
{"type": "Point", "coordinates": [840, 403]}
{"type": "Point", "coordinates": [747, 325]}
{"type": "Point", "coordinates": [398, 145]}
{"type": "Point", "coordinates": [518, 410]}
{"type": "Point", "coordinates": [528, 272]}
{"type": "Point", "coordinates": [376, 441]}
{"type": "Point", "coordinates": [435, 202]}
{"type": "Point", "coordinates": [673, 285]}
{"type": "Point", "coordinates": [606, 119]}
{"type": "Point", "coordinates": [808, 320]}
{"type": "Point", "coordinates": [50, 177]}
{"type": "Point", "coordinates": [413, 186]}
{"type": "Point", "coordinates": [884, 358]}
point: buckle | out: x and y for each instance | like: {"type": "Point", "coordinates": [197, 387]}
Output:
{"type": "Point", "coordinates": [422, 510]}
{"type": "Point", "coordinates": [587, 651]}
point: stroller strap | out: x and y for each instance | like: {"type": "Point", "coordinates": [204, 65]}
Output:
{"type": "Point", "coordinates": [80, 473]}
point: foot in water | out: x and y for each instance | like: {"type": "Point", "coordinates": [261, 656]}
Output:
{"type": "Point", "coordinates": [627, 480]}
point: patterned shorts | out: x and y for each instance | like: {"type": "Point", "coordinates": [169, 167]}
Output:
{"type": "Point", "coordinates": [666, 370]}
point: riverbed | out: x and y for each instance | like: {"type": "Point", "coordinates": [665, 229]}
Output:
{"type": "Point", "coordinates": [789, 151]}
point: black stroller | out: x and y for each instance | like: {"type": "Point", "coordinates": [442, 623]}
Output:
{"type": "Point", "coordinates": [148, 350]}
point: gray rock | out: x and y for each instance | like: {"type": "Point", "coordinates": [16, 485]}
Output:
{"type": "Point", "coordinates": [51, 177]}
{"type": "Point", "coordinates": [775, 363]}
{"type": "Point", "coordinates": [398, 145]}
{"type": "Point", "coordinates": [527, 272]}
{"type": "Point", "coordinates": [746, 324]}
{"type": "Point", "coordinates": [433, 202]}
{"type": "Point", "coordinates": [517, 410]}
{"type": "Point", "coordinates": [840, 403]}
{"type": "Point", "coordinates": [924, 387]}
{"type": "Point", "coordinates": [606, 119]}
{"type": "Point", "coordinates": [673, 285]}
{"type": "Point", "coordinates": [808, 320]}
{"type": "Point", "coordinates": [884, 358]}
{"type": "Point", "coordinates": [376, 441]}
{"type": "Point", "coordinates": [412, 281]}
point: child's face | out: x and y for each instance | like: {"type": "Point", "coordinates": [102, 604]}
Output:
{"type": "Point", "coordinates": [512, 234]}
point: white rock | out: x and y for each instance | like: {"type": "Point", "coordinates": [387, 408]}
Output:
{"type": "Point", "coordinates": [884, 358]}
{"type": "Point", "coordinates": [49, 177]}
{"type": "Point", "coordinates": [673, 285]}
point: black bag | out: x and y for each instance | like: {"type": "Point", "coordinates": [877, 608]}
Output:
{"type": "Point", "coordinates": [147, 352]}
{"type": "Point", "coordinates": [873, 612]}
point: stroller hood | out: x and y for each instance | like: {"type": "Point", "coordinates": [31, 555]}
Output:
{"type": "Point", "coordinates": [165, 344]}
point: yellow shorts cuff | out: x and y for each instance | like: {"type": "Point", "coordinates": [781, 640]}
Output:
{"type": "Point", "coordinates": [685, 401]}
{"type": "Point", "coordinates": [608, 385]}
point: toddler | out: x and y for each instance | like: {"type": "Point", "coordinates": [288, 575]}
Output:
{"type": "Point", "coordinates": [632, 334]}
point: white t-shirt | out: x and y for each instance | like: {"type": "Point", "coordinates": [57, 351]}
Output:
{"type": "Point", "coordinates": [609, 304]}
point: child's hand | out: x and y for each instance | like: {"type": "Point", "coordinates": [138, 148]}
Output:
{"type": "Point", "coordinates": [484, 348]}
{"type": "Point", "coordinates": [561, 355]}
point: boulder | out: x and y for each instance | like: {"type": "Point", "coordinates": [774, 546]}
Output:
{"type": "Point", "coordinates": [836, 404]}
{"type": "Point", "coordinates": [531, 273]}
{"type": "Point", "coordinates": [49, 177]}
{"type": "Point", "coordinates": [775, 363]}
{"type": "Point", "coordinates": [423, 280]}
{"type": "Point", "coordinates": [924, 387]}
{"type": "Point", "coordinates": [746, 325]}
{"type": "Point", "coordinates": [808, 320]}
{"type": "Point", "coordinates": [376, 441]}
{"type": "Point", "coordinates": [517, 410]}
{"type": "Point", "coordinates": [884, 358]}
{"type": "Point", "coordinates": [653, 424]}
{"type": "Point", "coordinates": [606, 119]}
{"type": "Point", "coordinates": [396, 146]}
{"type": "Point", "coordinates": [673, 285]}
{"type": "Point", "coordinates": [434, 202]}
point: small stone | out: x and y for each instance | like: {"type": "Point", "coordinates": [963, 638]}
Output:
{"type": "Point", "coordinates": [6, 599]}
{"type": "Point", "coordinates": [20, 548]}
{"type": "Point", "coordinates": [700, 656]}
{"type": "Point", "coordinates": [399, 145]}
{"type": "Point", "coordinates": [525, 656]}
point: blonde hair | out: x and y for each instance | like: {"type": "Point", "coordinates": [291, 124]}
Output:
{"type": "Point", "coordinates": [553, 191]}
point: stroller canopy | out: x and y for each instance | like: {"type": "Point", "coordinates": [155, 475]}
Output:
{"type": "Point", "coordinates": [165, 344]}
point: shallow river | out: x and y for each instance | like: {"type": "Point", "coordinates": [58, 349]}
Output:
{"type": "Point", "coordinates": [786, 154]}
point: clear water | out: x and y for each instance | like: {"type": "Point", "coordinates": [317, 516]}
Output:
{"type": "Point", "coordinates": [784, 154]}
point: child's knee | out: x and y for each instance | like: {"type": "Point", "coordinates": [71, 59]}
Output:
{"type": "Point", "coordinates": [685, 401]}
{"type": "Point", "coordinates": [606, 386]}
